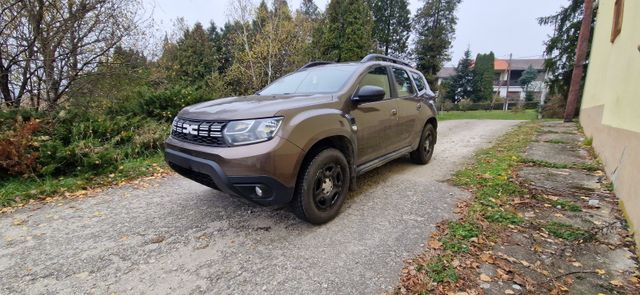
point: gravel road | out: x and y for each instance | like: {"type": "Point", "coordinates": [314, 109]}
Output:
{"type": "Point", "coordinates": [177, 236]}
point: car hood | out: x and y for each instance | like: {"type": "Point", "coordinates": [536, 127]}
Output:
{"type": "Point", "coordinates": [249, 107]}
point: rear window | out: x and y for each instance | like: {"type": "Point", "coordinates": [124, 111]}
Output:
{"type": "Point", "coordinates": [326, 79]}
{"type": "Point", "coordinates": [420, 84]}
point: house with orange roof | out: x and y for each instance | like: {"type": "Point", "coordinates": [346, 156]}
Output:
{"type": "Point", "coordinates": [508, 73]}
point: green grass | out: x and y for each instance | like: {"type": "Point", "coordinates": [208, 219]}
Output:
{"type": "Point", "coordinates": [546, 164]}
{"type": "Point", "coordinates": [439, 269]}
{"type": "Point", "coordinates": [489, 176]}
{"type": "Point", "coordinates": [566, 205]}
{"type": "Point", "coordinates": [565, 231]}
{"type": "Point", "coordinates": [488, 115]}
{"type": "Point", "coordinates": [457, 238]}
{"type": "Point", "coordinates": [19, 190]}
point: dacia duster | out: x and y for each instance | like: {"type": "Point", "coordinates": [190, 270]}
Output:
{"type": "Point", "coordinates": [303, 139]}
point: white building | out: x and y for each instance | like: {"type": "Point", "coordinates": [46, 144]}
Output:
{"type": "Point", "coordinates": [512, 73]}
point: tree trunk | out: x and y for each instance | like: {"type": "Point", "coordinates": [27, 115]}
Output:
{"type": "Point", "coordinates": [578, 67]}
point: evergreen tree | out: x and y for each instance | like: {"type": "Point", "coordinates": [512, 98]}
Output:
{"type": "Point", "coordinates": [434, 26]}
{"type": "Point", "coordinates": [484, 74]}
{"type": "Point", "coordinates": [561, 46]}
{"type": "Point", "coordinates": [262, 16]}
{"type": "Point", "coordinates": [193, 59]}
{"type": "Point", "coordinates": [462, 82]}
{"type": "Point", "coordinates": [528, 77]}
{"type": "Point", "coordinates": [391, 25]}
{"type": "Point", "coordinates": [227, 46]}
{"type": "Point", "coordinates": [346, 33]}
{"type": "Point", "coordinates": [309, 9]}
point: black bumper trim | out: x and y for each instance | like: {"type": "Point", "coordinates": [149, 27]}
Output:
{"type": "Point", "coordinates": [227, 184]}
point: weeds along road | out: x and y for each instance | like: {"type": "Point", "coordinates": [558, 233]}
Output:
{"type": "Point", "coordinates": [177, 236]}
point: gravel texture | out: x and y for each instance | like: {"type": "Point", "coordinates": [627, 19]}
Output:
{"type": "Point", "coordinates": [177, 236]}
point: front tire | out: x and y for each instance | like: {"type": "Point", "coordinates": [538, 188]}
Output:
{"type": "Point", "coordinates": [422, 155]}
{"type": "Point", "coordinates": [322, 187]}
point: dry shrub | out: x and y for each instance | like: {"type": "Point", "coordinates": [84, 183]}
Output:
{"type": "Point", "coordinates": [17, 155]}
{"type": "Point", "coordinates": [464, 104]}
{"type": "Point", "coordinates": [554, 107]}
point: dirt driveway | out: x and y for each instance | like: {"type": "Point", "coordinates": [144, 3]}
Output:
{"type": "Point", "coordinates": [177, 236]}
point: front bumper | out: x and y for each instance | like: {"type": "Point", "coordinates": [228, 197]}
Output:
{"type": "Point", "coordinates": [211, 174]}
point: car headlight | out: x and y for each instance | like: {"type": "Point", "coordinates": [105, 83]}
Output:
{"type": "Point", "coordinates": [251, 131]}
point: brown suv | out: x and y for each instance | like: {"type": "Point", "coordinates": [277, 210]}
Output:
{"type": "Point", "coordinates": [304, 138]}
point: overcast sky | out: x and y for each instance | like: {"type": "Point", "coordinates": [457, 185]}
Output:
{"type": "Point", "coordinates": [501, 26]}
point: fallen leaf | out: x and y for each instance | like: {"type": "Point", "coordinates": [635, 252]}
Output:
{"type": "Point", "coordinates": [157, 239]}
{"type": "Point", "coordinates": [435, 244]}
{"type": "Point", "coordinates": [485, 278]}
{"type": "Point", "coordinates": [487, 257]}
{"type": "Point", "coordinates": [576, 264]}
{"type": "Point", "coordinates": [552, 198]}
{"type": "Point", "coordinates": [18, 221]}
{"type": "Point", "coordinates": [600, 271]}
{"type": "Point", "coordinates": [509, 291]}
{"type": "Point", "coordinates": [616, 283]}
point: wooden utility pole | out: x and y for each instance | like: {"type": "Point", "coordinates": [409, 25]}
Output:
{"type": "Point", "coordinates": [581, 56]}
{"type": "Point", "coordinates": [506, 99]}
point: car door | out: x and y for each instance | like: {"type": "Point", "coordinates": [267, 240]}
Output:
{"type": "Point", "coordinates": [409, 105]}
{"type": "Point", "coordinates": [376, 121]}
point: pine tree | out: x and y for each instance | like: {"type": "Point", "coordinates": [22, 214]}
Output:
{"type": "Point", "coordinates": [391, 25]}
{"type": "Point", "coordinates": [193, 59]}
{"type": "Point", "coordinates": [346, 33]}
{"type": "Point", "coordinates": [462, 82]}
{"type": "Point", "coordinates": [309, 9]}
{"type": "Point", "coordinates": [434, 26]}
{"type": "Point", "coordinates": [561, 46]}
{"type": "Point", "coordinates": [528, 77]}
{"type": "Point", "coordinates": [484, 74]}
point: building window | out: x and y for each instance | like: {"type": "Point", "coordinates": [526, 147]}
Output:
{"type": "Point", "coordinates": [618, 15]}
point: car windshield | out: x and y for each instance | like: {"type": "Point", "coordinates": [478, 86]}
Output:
{"type": "Point", "coordinates": [326, 79]}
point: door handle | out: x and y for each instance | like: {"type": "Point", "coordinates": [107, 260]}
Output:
{"type": "Point", "coordinates": [394, 112]}
{"type": "Point", "coordinates": [419, 106]}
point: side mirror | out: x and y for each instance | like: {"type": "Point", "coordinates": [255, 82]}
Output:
{"type": "Point", "coordinates": [369, 93]}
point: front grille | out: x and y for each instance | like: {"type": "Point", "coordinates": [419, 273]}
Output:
{"type": "Point", "coordinates": [198, 132]}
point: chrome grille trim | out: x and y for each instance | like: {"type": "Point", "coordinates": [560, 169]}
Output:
{"type": "Point", "coordinates": [198, 131]}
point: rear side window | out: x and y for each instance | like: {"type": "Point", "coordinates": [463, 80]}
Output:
{"type": "Point", "coordinates": [378, 77]}
{"type": "Point", "coordinates": [404, 87]}
{"type": "Point", "coordinates": [419, 82]}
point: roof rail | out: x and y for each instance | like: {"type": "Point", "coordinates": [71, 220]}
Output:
{"type": "Point", "coordinates": [315, 64]}
{"type": "Point", "coordinates": [380, 57]}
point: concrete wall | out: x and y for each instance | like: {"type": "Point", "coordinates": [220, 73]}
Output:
{"type": "Point", "coordinates": [610, 111]}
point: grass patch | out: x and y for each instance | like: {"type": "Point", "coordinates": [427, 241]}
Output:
{"type": "Point", "coordinates": [488, 177]}
{"type": "Point", "coordinates": [503, 217]}
{"type": "Point", "coordinates": [19, 190]}
{"type": "Point", "coordinates": [488, 115]}
{"type": "Point", "coordinates": [587, 141]}
{"type": "Point", "coordinates": [566, 205]}
{"type": "Point", "coordinates": [439, 269]}
{"type": "Point", "coordinates": [457, 238]}
{"type": "Point", "coordinates": [546, 164]}
{"type": "Point", "coordinates": [565, 231]}
{"type": "Point", "coordinates": [556, 141]}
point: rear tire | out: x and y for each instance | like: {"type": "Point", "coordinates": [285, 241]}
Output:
{"type": "Point", "coordinates": [422, 155]}
{"type": "Point", "coordinates": [322, 187]}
